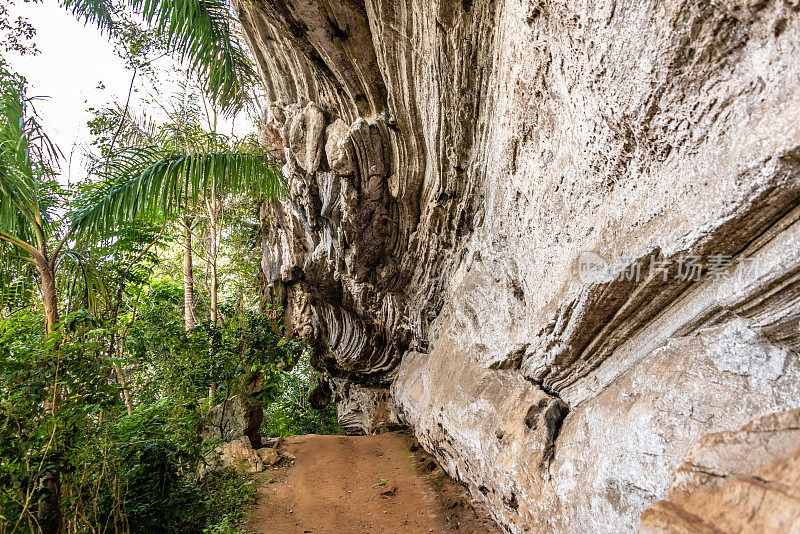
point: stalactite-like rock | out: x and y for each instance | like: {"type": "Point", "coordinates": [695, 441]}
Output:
{"type": "Point", "coordinates": [561, 240]}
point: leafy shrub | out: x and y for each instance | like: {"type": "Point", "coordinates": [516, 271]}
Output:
{"type": "Point", "coordinates": [290, 412]}
{"type": "Point", "coordinates": [134, 472]}
{"type": "Point", "coordinates": [229, 495]}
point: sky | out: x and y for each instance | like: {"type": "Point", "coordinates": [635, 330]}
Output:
{"type": "Point", "coordinates": [75, 60]}
{"type": "Point", "coordinates": [72, 62]}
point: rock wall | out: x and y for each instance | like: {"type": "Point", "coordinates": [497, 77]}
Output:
{"type": "Point", "coordinates": [716, 491]}
{"type": "Point", "coordinates": [561, 240]}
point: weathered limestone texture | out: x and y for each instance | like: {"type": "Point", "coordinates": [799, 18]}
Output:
{"type": "Point", "coordinates": [235, 423]}
{"type": "Point", "coordinates": [744, 481]}
{"type": "Point", "coordinates": [561, 240]}
{"type": "Point", "coordinates": [230, 420]}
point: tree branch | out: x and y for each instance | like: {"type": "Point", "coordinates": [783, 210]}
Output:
{"type": "Point", "coordinates": [24, 246]}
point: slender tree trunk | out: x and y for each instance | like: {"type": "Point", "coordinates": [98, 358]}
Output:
{"type": "Point", "coordinates": [115, 350]}
{"type": "Point", "coordinates": [188, 281]}
{"type": "Point", "coordinates": [123, 384]}
{"type": "Point", "coordinates": [49, 515]}
{"type": "Point", "coordinates": [50, 303]}
{"type": "Point", "coordinates": [213, 253]}
{"type": "Point", "coordinates": [214, 274]}
{"type": "Point", "coordinates": [49, 296]}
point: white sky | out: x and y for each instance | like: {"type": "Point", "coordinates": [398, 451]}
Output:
{"type": "Point", "coordinates": [74, 59]}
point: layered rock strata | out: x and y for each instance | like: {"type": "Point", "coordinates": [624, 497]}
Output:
{"type": "Point", "coordinates": [560, 240]}
{"type": "Point", "coordinates": [741, 481]}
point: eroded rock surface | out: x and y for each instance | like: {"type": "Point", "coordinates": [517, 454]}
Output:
{"type": "Point", "coordinates": [235, 424]}
{"type": "Point", "coordinates": [239, 454]}
{"type": "Point", "coordinates": [239, 416]}
{"type": "Point", "coordinates": [561, 240]}
{"type": "Point", "coordinates": [741, 481]}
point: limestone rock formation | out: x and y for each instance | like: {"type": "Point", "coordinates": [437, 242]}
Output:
{"type": "Point", "coordinates": [235, 424]}
{"type": "Point", "coordinates": [742, 481]}
{"type": "Point", "coordinates": [239, 454]}
{"type": "Point", "coordinates": [250, 383]}
{"type": "Point", "coordinates": [237, 417]}
{"type": "Point", "coordinates": [560, 240]}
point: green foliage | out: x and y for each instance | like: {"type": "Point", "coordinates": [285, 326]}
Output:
{"type": "Point", "coordinates": [144, 458]}
{"type": "Point", "coordinates": [290, 413]}
{"type": "Point", "coordinates": [16, 282]}
{"type": "Point", "coordinates": [200, 32]}
{"type": "Point", "coordinates": [111, 399]}
{"type": "Point", "coordinates": [172, 363]}
{"type": "Point", "coordinates": [228, 496]}
{"type": "Point", "coordinates": [28, 191]}
{"type": "Point", "coordinates": [16, 34]}
{"type": "Point", "coordinates": [181, 166]}
{"type": "Point", "coordinates": [25, 437]}
{"type": "Point", "coordinates": [153, 455]}
{"type": "Point", "coordinates": [34, 439]}
{"type": "Point", "coordinates": [134, 472]}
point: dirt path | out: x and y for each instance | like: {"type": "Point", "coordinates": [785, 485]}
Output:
{"type": "Point", "coordinates": [361, 484]}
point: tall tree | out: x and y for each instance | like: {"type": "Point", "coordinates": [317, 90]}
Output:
{"type": "Point", "coordinates": [183, 167]}
{"type": "Point", "coordinates": [28, 191]}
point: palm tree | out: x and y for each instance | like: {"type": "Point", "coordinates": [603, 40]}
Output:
{"type": "Point", "coordinates": [200, 32]}
{"type": "Point", "coordinates": [31, 231]}
{"type": "Point", "coordinates": [30, 199]}
{"type": "Point", "coordinates": [182, 167]}
{"type": "Point", "coordinates": [28, 193]}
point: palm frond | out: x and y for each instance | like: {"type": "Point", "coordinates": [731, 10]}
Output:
{"type": "Point", "coordinates": [17, 285]}
{"type": "Point", "coordinates": [17, 187]}
{"type": "Point", "coordinates": [97, 12]}
{"type": "Point", "coordinates": [26, 160]}
{"type": "Point", "coordinates": [153, 182]}
{"type": "Point", "coordinates": [200, 32]}
{"type": "Point", "coordinates": [90, 277]}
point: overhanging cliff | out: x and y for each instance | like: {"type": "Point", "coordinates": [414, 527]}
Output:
{"type": "Point", "coordinates": [558, 239]}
